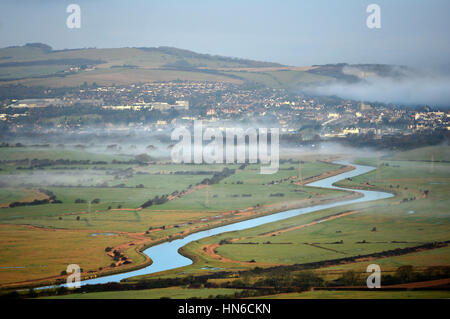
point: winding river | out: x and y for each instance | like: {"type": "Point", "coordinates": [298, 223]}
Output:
{"type": "Point", "coordinates": [165, 256]}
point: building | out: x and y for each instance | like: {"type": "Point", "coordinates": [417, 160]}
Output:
{"type": "Point", "coordinates": [182, 104]}
{"type": "Point", "coordinates": [163, 106]}
{"type": "Point", "coordinates": [32, 103]}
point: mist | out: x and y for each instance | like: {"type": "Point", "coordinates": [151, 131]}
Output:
{"type": "Point", "coordinates": [412, 88]}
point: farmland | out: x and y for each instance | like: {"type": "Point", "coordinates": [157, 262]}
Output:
{"type": "Point", "coordinates": [364, 295]}
{"type": "Point", "coordinates": [103, 193]}
{"type": "Point", "coordinates": [39, 65]}
{"type": "Point", "coordinates": [418, 214]}
{"type": "Point", "coordinates": [172, 293]}
{"type": "Point", "coordinates": [101, 206]}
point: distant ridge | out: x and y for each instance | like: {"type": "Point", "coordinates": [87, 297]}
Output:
{"type": "Point", "coordinates": [182, 53]}
{"type": "Point", "coordinates": [37, 64]}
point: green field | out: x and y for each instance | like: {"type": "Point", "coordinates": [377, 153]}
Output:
{"type": "Point", "coordinates": [77, 183]}
{"type": "Point", "coordinates": [430, 153]}
{"type": "Point", "coordinates": [9, 195]}
{"type": "Point", "coordinates": [329, 294]}
{"type": "Point", "coordinates": [52, 153]}
{"type": "Point", "coordinates": [409, 219]}
{"type": "Point", "coordinates": [172, 293]}
{"type": "Point", "coordinates": [417, 214]}
{"type": "Point", "coordinates": [281, 78]}
{"type": "Point", "coordinates": [114, 187]}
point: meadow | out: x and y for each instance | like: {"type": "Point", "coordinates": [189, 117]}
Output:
{"type": "Point", "coordinates": [418, 214]}
{"type": "Point", "coordinates": [107, 198]}
{"type": "Point", "coordinates": [158, 293]}
{"type": "Point", "coordinates": [29, 254]}
{"type": "Point", "coordinates": [328, 294]}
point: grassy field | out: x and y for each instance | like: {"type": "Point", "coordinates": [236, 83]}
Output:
{"type": "Point", "coordinates": [280, 78]}
{"type": "Point", "coordinates": [329, 294]}
{"type": "Point", "coordinates": [429, 153]}
{"type": "Point", "coordinates": [148, 65]}
{"type": "Point", "coordinates": [418, 214]}
{"type": "Point", "coordinates": [10, 194]}
{"type": "Point", "coordinates": [30, 71]}
{"type": "Point", "coordinates": [421, 260]}
{"type": "Point", "coordinates": [17, 153]}
{"type": "Point", "coordinates": [409, 219]}
{"type": "Point", "coordinates": [158, 293]}
{"type": "Point", "coordinates": [117, 209]}
{"type": "Point", "coordinates": [255, 189]}
{"type": "Point", "coordinates": [31, 253]}
{"type": "Point", "coordinates": [156, 180]}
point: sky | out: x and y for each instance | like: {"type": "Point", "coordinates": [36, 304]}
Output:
{"type": "Point", "coordinates": [413, 32]}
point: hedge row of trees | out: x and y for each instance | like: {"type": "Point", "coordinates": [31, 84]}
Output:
{"type": "Point", "coordinates": [275, 281]}
{"type": "Point", "coordinates": [404, 274]}
{"type": "Point", "coordinates": [50, 200]}
{"type": "Point", "coordinates": [218, 176]}
{"type": "Point", "coordinates": [215, 179]}
{"type": "Point", "coordinates": [49, 162]}
{"type": "Point", "coordinates": [155, 201]}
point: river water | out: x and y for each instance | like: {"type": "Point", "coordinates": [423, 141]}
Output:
{"type": "Point", "coordinates": [165, 256]}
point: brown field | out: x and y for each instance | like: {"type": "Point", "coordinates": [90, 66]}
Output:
{"type": "Point", "coordinates": [28, 196]}
{"type": "Point", "coordinates": [122, 77]}
{"type": "Point", "coordinates": [33, 253]}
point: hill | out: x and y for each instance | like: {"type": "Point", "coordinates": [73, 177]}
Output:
{"type": "Point", "coordinates": [37, 64]}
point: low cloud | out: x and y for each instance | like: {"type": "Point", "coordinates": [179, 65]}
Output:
{"type": "Point", "coordinates": [411, 88]}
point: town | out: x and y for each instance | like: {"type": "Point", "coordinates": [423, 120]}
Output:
{"type": "Point", "coordinates": [161, 106]}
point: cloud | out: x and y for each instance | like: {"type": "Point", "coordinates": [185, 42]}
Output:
{"type": "Point", "coordinates": [412, 88]}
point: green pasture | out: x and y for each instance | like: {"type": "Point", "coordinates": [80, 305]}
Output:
{"type": "Point", "coordinates": [158, 293]}
{"type": "Point", "coordinates": [336, 294]}
{"type": "Point", "coordinates": [408, 219]}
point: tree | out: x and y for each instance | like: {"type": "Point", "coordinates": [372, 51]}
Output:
{"type": "Point", "coordinates": [350, 278]}
{"type": "Point", "coordinates": [405, 273]}
{"type": "Point", "coordinates": [306, 280]}
{"type": "Point", "coordinates": [143, 158]}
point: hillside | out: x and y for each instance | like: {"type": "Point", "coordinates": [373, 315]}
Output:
{"type": "Point", "coordinates": [38, 64]}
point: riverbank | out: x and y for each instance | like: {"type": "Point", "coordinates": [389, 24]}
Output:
{"type": "Point", "coordinates": [252, 219]}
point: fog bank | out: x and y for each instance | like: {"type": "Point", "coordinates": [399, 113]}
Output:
{"type": "Point", "coordinates": [411, 88]}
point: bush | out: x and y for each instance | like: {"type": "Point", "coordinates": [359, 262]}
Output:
{"type": "Point", "coordinates": [350, 278]}
{"type": "Point", "coordinates": [405, 273]}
